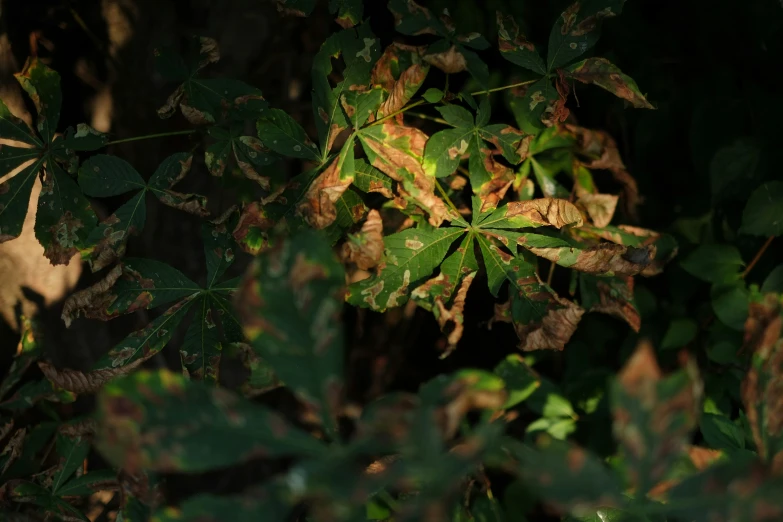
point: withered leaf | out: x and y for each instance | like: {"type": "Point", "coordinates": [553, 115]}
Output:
{"type": "Point", "coordinates": [366, 248]}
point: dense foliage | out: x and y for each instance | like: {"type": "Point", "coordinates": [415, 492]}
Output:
{"type": "Point", "coordinates": [396, 208]}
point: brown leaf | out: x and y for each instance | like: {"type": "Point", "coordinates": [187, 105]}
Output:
{"type": "Point", "coordinates": [454, 315]}
{"type": "Point", "coordinates": [14, 448]}
{"type": "Point", "coordinates": [403, 89]}
{"type": "Point", "coordinates": [617, 300]}
{"type": "Point", "coordinates": [91, 301]}
{"type": "Point", "coordinates": [641, 372]}
{"type": "Point", "coordinates": [554, 330]}
{"type": "Point", "coordinates": [191, 203]}
{"type": "Point", "coordinates": [450, 61]}
{"type": "Point", "coordinates": [547, 211]}
{"type": "Point", "coordinates": [702, 458]}
{"type": "Point", "coordinates": [317, 207]}
{"type": "Point", "coordinates": [463, 397]}
{"type": "Point", "coordinates": [494, 190]}
{"type": "Point", "coordinates": [87, 382]}
{"type": "Point", "coordinates": [602, 153]}
{"type": "Point", "coordinates": [252, 228]}
{"type": "Point", "coordinates": [762, 388]}
{"type": "Point", "coordinates": [366, 248]}
{"type": "Point", "coordinates": [606, 258]}
{"type": "Point", "coordinates": [599, 207]}
{"type": "Point", "coordinates": [602, 72]}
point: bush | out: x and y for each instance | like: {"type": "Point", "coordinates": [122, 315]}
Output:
{"type": "Point", "coordinates": [413, 192]}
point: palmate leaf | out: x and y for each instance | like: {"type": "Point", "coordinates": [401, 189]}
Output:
{"type": "Point", "coordinates": [28, 492]}
{"type": "Point", "coordinates": [290, 303]}
{"type": "Point", "coordinates": [72, 452]}
{"type": "Point", "coordinates": [530, 102]}
{"type": "Point", "coordinates": [64, 218]}
{"type": "Point", "coordinates": [161, 421]}
{"type": "Point", "coordinates": [201, 350]}
{"type": "Point", "coordinates": [97, 480]}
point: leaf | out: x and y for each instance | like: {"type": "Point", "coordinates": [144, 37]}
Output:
{"type": "Point", "coordinates": [210, 508]}
{"type": "Point", "coordinates": [27, 351]}
{"type": "Point", "coordinates": [761, 388]}
{"type": "Point", "coordinates": [730, 303]}
{"type": "Point", "coordinates": [534, 213]}
{"type": "Point", "coordinates": [774, 281]}
{"type": "Point", "coordinates": [129, 354]}
{"type": "Point", "coordinates": [350, 209]}
{"type": "Point", "coordinates": [529, 104]}
{"type": "Point", "coordinates": [720, 433]}
{"type": "Point", "coordinates": [15, 197]}
{"type": "Point", "coordinates": [714, 263]}
{"type": "Point", "coordinates": [162, 422]}
{"type": "Point", "coordinates": [23, 491]}
{"type": "Point", "coordinates": [397, 151]}
{"type": "Point", "coordinates": [248, 152]}
{"type": "Point", "coordinates": [72, 452]}
{"type": "Point", "coordinates": [170, 172]}
{"type": "Point", "coordinates": [103, 176]}
{"type": "Point", "coordinates": [610, 295]}
{"type": "Point", "coordinates": [604, 74]}
{"type": "Point", "coordinates": [600, 207]}
{"type": "Point", "coordinates": [281, 133]}
{"type": "Point", "coordinates": [762, 212]}
{"type": "Point", "coordinates": [289, 304]}
{"type": "Point", "coordinates": [369, 179]}
{"type": "Point", "coordinates": [317, 207]}
{"type": "Point", "coordinates": [296, 7]}
{"type": "Point", "coordinates": [219, 245]}
{"type": "Point", "coordinates": [349, 12]}
{"type": "Point", "coordinates": [14, 128]}
{"type": "Point", "coordinates": [89, 483]}
{"type": "Point", "coordinates": [404, 88]}
{"type": "Point", "coordinates": [653, 416]}
{"type": "Point", "coordinates": [200, 352]}
{"type": "Point", "coordinates": [360, 106]}
{"type": "Point", "coordinates": [409, 257]}
{"type": "Point", "coordinates": [366, 247]}
{"type": "Point", "coordinates": [515, 47]}
{"type": "Point", "coordinates": [734, 170]}
{"type": "Point", "coordinates": [679, 333]}
{"type": "Point", "coordinates": [577, 29]}
{"type": "Point", "coordinates": [42, 84]}
{"type": "Point", "coordinates": [110, 238]}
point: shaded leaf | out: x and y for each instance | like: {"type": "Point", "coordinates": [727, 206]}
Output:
{"type": "Point", "coordinates": [161, 421]}
{"type": "Point", "coordinates": [200, 352]}
{"type": "Point", "coordinates": [534, 213]}
{"type": "Point", "coordinates": [87, 484]}
{"type": "Point", "coordinates": [104, 176]}
{"type": "Point", "coordinates": [714, 263]}
{"type": "Point", "coordinates": [604, 74]}
{"type": "Point", "coordinates": [366, 247]}
{"type": "Point", "coordinates": [27, 351]}
{"type": "Point", "coordinates": [349, 12]}
{"type": "Point", "coordinates": [23, 491]}
{"type": "Point", "coordinates": [72, 452]}
{"type": "Point", "coordinates": [730, 303]}
{"type": "Point", "coordinates": [610, 295]}
{"type": "Point", "coordinates": [210, 508]}
{"type": "Point", "coordinates": [577, 29]}
{"type": "Point", "coordinates": [109, 239]}
{"type": "Point", "coordinates": [515, 47]}
{"type": "Point", "coordinates": [763, 211]}
{"type": "Point", "coordinates": [289, 304]}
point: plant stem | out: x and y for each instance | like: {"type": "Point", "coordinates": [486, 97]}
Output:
{"type": "Point", "coordinates": [446, 197]}
{"type": "Point", "coordinates": [503, 88]}
{"type": "Point", "coordinates": [150, 136]}
{"type": "Point", "coordinates": [395, 113]}
{"type": "Point", "coordinates": [427, 117]}
{"type": "Point", "coordinates": [760, 253]}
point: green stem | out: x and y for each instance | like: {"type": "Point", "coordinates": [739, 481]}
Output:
{"type": "Point", "coordinates": [395, 113]}
{"type": "Point", "coordinates": [446, 197]}
{"type": "Point", "coordinates": [150, 136]}
{"type": "Point", "coordinates": [428, 117]}
{"type": "Point", "coordinates": [503, 88]}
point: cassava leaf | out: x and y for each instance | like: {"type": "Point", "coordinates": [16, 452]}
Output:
{"type": "Point", "coordinates": [103, 176]}
{"type": "Point", "coordinates": [604, 74]}
{"type": "Point", "coordinates": [28, 492]}
{"type": "Point", "coordinates": [161, 421]}
{"type": "Point", "coordinates": [410, 256]}
{"type": "Point", "coordinates": [289, 304]}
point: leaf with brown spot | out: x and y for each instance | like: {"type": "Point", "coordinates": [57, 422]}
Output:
{"type": "Point", "coordinates": [653, 416]}
{"type": "Point", "coordinates": [289, 304]}
{"type": "Point", "coordinates": [160, 421]}
{"type": "Point", "coordinates": [610, 295]}
{"type": "Point", "coordinates": [515, 47]}
{"type": "Point", "coordinates": [318, 205]}
{"type": "Point", "coordinates": [403, 89]}
{"type": "Point", "coordinates": [762, 388]}
{"type": "Point", "coordinates": [577, 29]}
{"type": "Point", "coordinates": [12, 450]}
{"type": "Point", "coordinates": [397, 151]}
{"type": "Point", "coordinates": [603, 73]}
{"type": "Point", "coordinates": [252, 229]}
{"type": "Point", "coordinates": [599, 207]}
{"type": "Point", "coordinates": [366, 247]}
{"type": "Point", "coordinates": [554, 212]}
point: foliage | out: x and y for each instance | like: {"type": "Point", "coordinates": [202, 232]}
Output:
{"type": "Point", "coordinates": [385, 213]}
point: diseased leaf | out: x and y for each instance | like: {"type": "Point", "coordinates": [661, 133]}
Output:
{"type": "Point", "coordinates": [366, 247]}
{"type": "Point", "coordinates": [577, 29]}
{"type": "Point", "coordinates": [529, 104]}
{"type": "Point", "coordinates": [200, 352]}
{"type": "Point", "coordinates": [109, 239]}
{"type": "Point", "coordinates": [653, 416]}
{"type": "Point", "coordinates": [515, 47]}
{"type": "Point", "coordinates": [289, 304]}
{"type": "Point", "coordinates": [281, 133]}
{"type": "Point", "coordinates": [762, 216]}
{"type": "Point", "coordinates": [296, 7]}
{"type": "Point", "coordinates": [361, 106]}
{"type": "Point", "coordinates": [248, 152]}
{"type": "Point", "coordinates": [219, 245]}
{"type": "Point", "coordinates": [99, 480]}
{"type": "Point", "coordinates": [761, 389]}
{"type": "Point", "coordinates": [43, 86]}
{"type": "Point", "coordinates": [15, 197]}
{"type": "Point", "coordinates": [170, 172]}
{"type": "Point", "coordinates": [403, 89]}
{"type": "Point", "coordinates": [104, 176]}
{"type": "Point", "coordinates": [534, 213]}
{"type": "Point", "coordinates": [409, 257]}
{"type": "Point", "coordinates": [349, 12]}
{"type": "Point", "coordinates": [350, 210]}
{"type": "Point", "coordinates": [604, 74]}
{"type": "Point", "coordinates": [160, 421]}
{"type": "Point", "coordinates": [27, 352]}
{"type": "Point", "coordinates": [397, 151]}
{"type": "Point", "coordinates": [369, 179]}
{"type": "Point", "coordinates": [610, 295]}
{"type": "Point", "coordinates": [317, 207]}
{"type": "Point", "coordinates": [23, 491]}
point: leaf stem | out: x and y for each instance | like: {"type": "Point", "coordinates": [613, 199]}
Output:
{"type": "Point", "coordinates": [446, 197]}
{"type": "Point", "coordinates": [150, 136]}
{"type": "Point", "coordinates": [428, 117]}
{"type": "Point", "coordinates": [760, 253]}
{"type": "Point", "coordinates": [400, 111]}
{"type": "Point", "coordinates": [504, 87]}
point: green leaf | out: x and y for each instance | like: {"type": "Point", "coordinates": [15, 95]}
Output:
{"type": "Point", "coordinates": [104, 176]}
{"type": "Point", "coordinates": [445, 149]}
{"type": "Point", "coordinates": [290, 304]}
{"type": "Point", "coordinates": [720, 433]}
{"type": "Point", "coordinates": [762, 216]}
{"type": "Point", "coordinates": [734, 170]}
{"type": "Point", "coordinates": [606, 75]}
{"type": "Point", "coordinates": [502, 266]}
{"type": "Point", "coordinates": [281, 133]}
{"type": "Point", "coordinates": [774, 281]}
{"type": "Point", "coordinates": [98, 480]}
{"type": "Point", "coordinates": [83, 138]}
{"type": "Point", "coordinates": [16, 129]}
{"type": "Point", "coordinates": [529, 102]}
{"type": "Point", "coordinates": [714, 263]}
{"type": "Point", "coordinates": [170, 171]}
{"type": "Point", "coordinates": [369, 179]}
{"type": "Point", "coordinates": [359, 106]}
{"type": "Point", "coordinates": [65, 217]}
{"type": "Point", "coordinates": [107, 242]}
{"type": "Point", "coordinates": [730, 303]}
{"type": "Point", "coordinates": [15, 199]}
{"type": "Point", "coordinates": [521, 381]}
{"type": "Point", "coordinates": [248, 152]}
{"type": "Point", "coordinates": [201, 350]}
{"type": "Point", "coordinates": [350, 210]}
{"type": "Point", "coordinates": [23, 491]}
{"type": "Point", "coordinates": [433, 95]}
{"type": "Point", "coordinates": [577, 29]}
{"type": "Point", "coordinates": [42, 84]}
{"type": "Point", "coordinates": [29, 351]}
{"type": "Point", "coordinates": [161, 421]}
{"type": "Point", "coordinates": [218, 246]}
{"type": "Point", "coordinates": [72, 452]}
{"type": "Point", "coordinates": [33, 392]}
{"type": "Point", "coordinates": [349, 12]}
{"type": "Point", "coordinates": [515, 47]}
{"type": "Point", "coordinates": [210, 508]}
{"type": "Point", "coordinates": [409, 257]}
{"type": "Point", "coordinates": [679, 333]}
{"type": "Point", "coordinates": [412, 19]}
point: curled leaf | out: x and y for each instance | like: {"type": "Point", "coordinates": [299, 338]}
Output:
{"type": "Point", "coordinates": [85, 382]}
{"type": "Point", "coordinates": [603, 73]}
{"type": "Point", "coordinates": [454, 315]}
{"type": "Point", "coordinates": [318, 206]}
{"type": "Point", "coordinates": [553, 331]}
{"type": "Point", "coordinates": [600, 207]}
{"type": "Point", "coordinates": [403, 89]}
{"type": "Point", "coordinates": [92, 299]}
{"type": "Point", "coordinates": [535, 213]}
{"type": "Point", "coordinates": [612, 296]}
{"type": "Point", "coordinates": [605, 259]}
{"type": "Point", "coordinates": [450, 61]}
{"type": "Point", "coordinates": [366, 248]}
{"type": "Point", "coordinates": [251, 232]}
